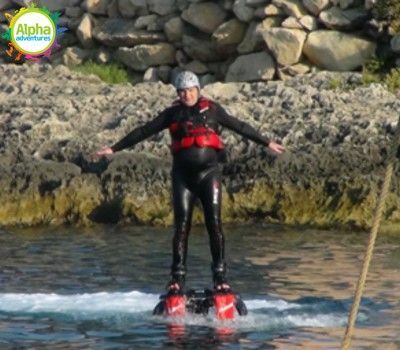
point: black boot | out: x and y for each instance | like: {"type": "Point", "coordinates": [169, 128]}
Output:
{"type": "Point", "coordinates": [177, 282]}
{"type": "Point", "coordinates": [219, 277]}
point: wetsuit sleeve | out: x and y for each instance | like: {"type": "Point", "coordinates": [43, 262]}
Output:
{"type": "Point", "coordinates": [141, 133]}
{"type": "Point", "coordinates": [242, 128]}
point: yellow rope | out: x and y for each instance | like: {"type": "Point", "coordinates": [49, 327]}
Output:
{"type": "Point", "coordinates": [372, 238]}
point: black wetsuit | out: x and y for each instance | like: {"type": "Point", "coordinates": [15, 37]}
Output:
{"type": "Point", "coordinates": [195, 174]}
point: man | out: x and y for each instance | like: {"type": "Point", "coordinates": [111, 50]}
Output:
{"type": "Point", "coordinates": [194, 123]}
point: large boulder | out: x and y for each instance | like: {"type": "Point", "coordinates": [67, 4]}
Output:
{"type": "Point", "coordinates": [262, 67]}
{"type": "Point", "coordinates": [228, 35]}
{"type": "Point", "coordinates": [336, 18]}
{"type": "Point", "coordinates": [337, 51]}
{"type": "Point", "coordinates": [285, 44]}
{"type": "Point", "coordinates": [118, 32]}
{"type": "Point", "coordinates": [206, 16]}
{"type": "Point", "coordinates": [142, 57]}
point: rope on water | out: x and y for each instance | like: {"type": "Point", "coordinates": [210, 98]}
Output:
{"type": "Point", "coordinates": [372, 238]}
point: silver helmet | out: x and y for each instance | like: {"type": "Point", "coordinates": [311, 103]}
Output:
{"type": "Point", "coordinates": [186, 80]}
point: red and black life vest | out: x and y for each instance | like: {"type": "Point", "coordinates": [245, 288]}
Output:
{"type": "Point", "coordinates": [185, 133]}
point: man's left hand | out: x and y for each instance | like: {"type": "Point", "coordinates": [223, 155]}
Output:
{"type": "Point", "coordinates": [276, 147]}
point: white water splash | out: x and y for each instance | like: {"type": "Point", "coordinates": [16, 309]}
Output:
{"type": "Point", "coordinates": [263, 313]}
{"type": "Point", "coordinates": [103, 302]}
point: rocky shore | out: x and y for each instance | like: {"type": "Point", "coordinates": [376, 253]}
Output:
{"type": "Point", "coordinates": [52, 120]}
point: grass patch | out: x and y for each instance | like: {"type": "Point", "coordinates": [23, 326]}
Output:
{"type": "Point", "coordinates": [111, 73]}
{"type": "Point", "coordinates": [392, 80]}
{"type": "Point", "coordinates": [373, 71]}
{"type": "Point", "coordinates": [336, 83]}
{"type": "Point", "coordinates": [376, 71]}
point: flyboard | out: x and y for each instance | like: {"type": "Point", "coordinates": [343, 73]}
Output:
{"type": "Point", "coordinates": [226, 304]}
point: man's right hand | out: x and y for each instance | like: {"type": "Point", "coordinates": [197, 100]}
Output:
{"type": "Point", "coordinates": [104, 152]}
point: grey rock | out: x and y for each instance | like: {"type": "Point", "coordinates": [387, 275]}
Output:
{"type": "Point", "coordinates": [207, 79]}
{"type": "Point", "coordinates": [73, 12]}
{"type": "Point", "coordinates": [73, 56]}
{"type": "Point", "coordinates": [103, 56]}
{"type": "Point", "coordinates": [262, 68]}
{"type": "Point", "coordinates": [285, 44]}
{"type": "Point", "coordinates": [242, 11]}
{"type": "Point", "coordinates": [6, 4]}
{"type": "Point", "coordinates": [291, 7]}
{"type": "Point", "coordinates": [118, 32]}
{"type": "Point", "coordinates": [337, 51]}
{"type": "Point", "coordinates": [113, 9]}
{"type": "Point", "coordinates": [252, 40]}
{"type": "Point", "coordinates": [269, 10]}
{"type": "Point", "coordinates": [335, 18]}
{"type": "Point", "coordinates": [141, 57]}
{"type": "Point", "coordinates": [197, 67]}
{"type": "Point", "coordinates": [256, 3]}
{"type": "Point", "coordinates": [143, 22]}
{"type": "Point", "coordinates": [150, 75]}
{"type": "Point", "coordinates": [128, 9]}
{"type": "Point", "coordinates": [205, 16]}
{"type": "Point", "coordinates": [228, 35]}
{"type": "Point", "coordinates": [164, 73]}
{"type": "Point", "coordinates": [162, 7]}
{"type": "Point", "coordinates": [316, 6]}
{"type": "Point", "coordinates": [395, 43]}
{"type": "Point", "coordinates": [56, 5]}
{"type": "Point", "coordinates": [173, 29]}
{"type": "Point", "coordinates": [199, 48]}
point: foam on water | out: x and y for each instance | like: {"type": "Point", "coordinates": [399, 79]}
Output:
{"type": "Point", "coordinates": [268, 313]}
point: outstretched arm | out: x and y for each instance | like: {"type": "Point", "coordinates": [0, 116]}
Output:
{"type": "Point", "coordinates": [245, 130]}
{"type": "Point", "coordinates": [137, 135]}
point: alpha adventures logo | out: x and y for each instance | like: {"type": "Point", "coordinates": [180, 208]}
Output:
{"type": "Point", "coordinates": [33, 33]}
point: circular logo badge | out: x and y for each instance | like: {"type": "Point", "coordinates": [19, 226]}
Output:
{"type": "Point", "coordinates": [32, 31]}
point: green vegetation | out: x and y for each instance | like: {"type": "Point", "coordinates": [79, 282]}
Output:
{"type": "Point", "coordinates": [388, 10]}
{"type": "Point", "coordinates": [376, 71]}
{"type": "Point", "coordinates": [392, 80]}
{"type": "Point", "coordinates": [336, 83]}
{"type": "Point", "coordinates": [110, 73]}
{"type": "Point", "coordinates": [373, 71]}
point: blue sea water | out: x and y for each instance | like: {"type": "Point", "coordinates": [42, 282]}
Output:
{"type": "Point", "coordinates": [76, 288]}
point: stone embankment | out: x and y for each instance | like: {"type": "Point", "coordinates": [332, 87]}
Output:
{"type": "Point", "coordinates": [52, 120]}
{"type": "Point", "coordinates": [225, 40]}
